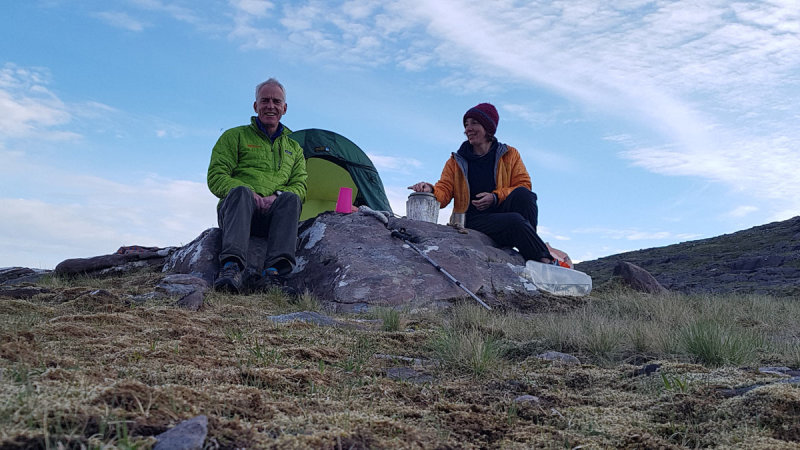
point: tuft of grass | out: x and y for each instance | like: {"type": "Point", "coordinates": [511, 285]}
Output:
{"type": "Point", "coordinates": [360, 352]}
{"type": "Point", "coordinates": [391, 319]}
{"type": "Point", "coordinates": [716, 344]}
{"type": "Point", "coordinates": [602, 339]}
{"type": "Point", "coordinates": [468, 350]}
{"type": "Point", "coordinates": [792, 353]}
{"type": "Point", "coordinates": [674, 382]}
{"type": "Point", "coordinates": [261, 354]}
{"type": "Point", "coordinates": [306, 302]}
{"type": "Point", "coordinates": [471, 340]}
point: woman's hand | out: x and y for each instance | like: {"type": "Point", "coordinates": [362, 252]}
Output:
{"type": "Point", "coordinates": [422, 186]}
{"type": "Point", "coordinates": [483, 200]}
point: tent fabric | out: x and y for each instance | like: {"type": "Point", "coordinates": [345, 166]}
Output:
{"type": "Point", "coordinates": [344, 153]}
{"type": "Point", "coordinates": [323, 191]}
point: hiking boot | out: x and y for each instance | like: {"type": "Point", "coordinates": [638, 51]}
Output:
{"type": "Point", "coordinates": [229, 279]}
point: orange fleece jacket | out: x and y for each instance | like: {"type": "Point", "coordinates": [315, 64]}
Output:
{"type": "Point", "coordinates": [452, 185]}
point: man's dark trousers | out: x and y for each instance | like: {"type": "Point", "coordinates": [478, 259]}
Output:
{"type": "Point", "coordinates": [239, 218]}
{"type": "Point", "coordinates": [513, 224]}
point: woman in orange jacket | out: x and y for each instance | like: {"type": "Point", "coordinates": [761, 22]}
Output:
{"type": "Point", "coordinates": [503, 206]}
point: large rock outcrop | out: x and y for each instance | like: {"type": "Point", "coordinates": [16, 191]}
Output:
{"type": "Point", "coordinates": [352, 262]}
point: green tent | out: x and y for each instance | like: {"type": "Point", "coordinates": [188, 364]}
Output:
{"type": "Point", "coordinates": [333, 161]}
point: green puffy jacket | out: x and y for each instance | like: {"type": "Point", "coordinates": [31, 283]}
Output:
{"type": "Point", "coordinates": [244, 156]}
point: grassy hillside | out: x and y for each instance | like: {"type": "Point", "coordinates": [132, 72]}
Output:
{"type": "Point", "coordinates": [84, 366]}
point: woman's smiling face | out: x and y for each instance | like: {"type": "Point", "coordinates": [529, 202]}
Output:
{"type": "Point", "coordinates": [475, 132]}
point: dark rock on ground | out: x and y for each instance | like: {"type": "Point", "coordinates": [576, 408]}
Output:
{"type": "Point", "coordinates": [408, 374]}
{"type": "Point", "coordinates": [734, 392]}
{"type": "Point", "coordinates": [760, 260]}
{"type": "Point", "coordinates": [187, 435]}
{"type": "Point", "coordinates": [19, 275]}
{"type": "Point", "coordinates": [22, 292]}
{"type": "Point", "coordinates": [189, 289]}
{"type": "Point", "coordinates": [638, 278]}
{"type": "Point", "coordinates": [648, 369]}
{"type": "Point", "coordinates": [307, 317]}
{"type": "Point", "coordinates": [179, 285]}
{"type": "Point", "coordinates": [528, 399]}
{"type": "Point", "coordinates": [191, 301]}
{"type": "Point", "coordinates": [780, 371]}
{"type": "Point", "coordinates": [562, 358]}
{"type": "Point", "coordinates": [113, 264]}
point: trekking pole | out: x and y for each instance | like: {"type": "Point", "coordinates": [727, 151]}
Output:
{"type": "Point", "coordinates": [405, 237]}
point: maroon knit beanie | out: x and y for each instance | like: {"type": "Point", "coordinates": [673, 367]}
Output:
{"type": "Point", "coordinates": [486, 115]}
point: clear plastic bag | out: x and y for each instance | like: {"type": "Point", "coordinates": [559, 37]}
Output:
{"type": "Point", "coordinates": [557, 280]}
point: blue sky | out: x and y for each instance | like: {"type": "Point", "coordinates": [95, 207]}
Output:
{"type": "Point", "coordinates": [642, 123]}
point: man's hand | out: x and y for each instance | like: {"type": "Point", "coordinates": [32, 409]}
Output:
{"type": "Point", "coordinates": [483, 200]}
{"type": "Point", "coordinates": [421, 187]}
{"type": "Point", "coordinates": [264, 203]}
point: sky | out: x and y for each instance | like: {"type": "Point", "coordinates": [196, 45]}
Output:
{"type": "Point", "coordinates": [642, 123]}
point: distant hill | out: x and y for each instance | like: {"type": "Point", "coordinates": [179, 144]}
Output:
{"type": "Point", "coordinates": [760, 260]}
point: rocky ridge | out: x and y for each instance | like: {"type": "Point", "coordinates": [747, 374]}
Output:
{"type": "Point", "coordinates": [760, 260]}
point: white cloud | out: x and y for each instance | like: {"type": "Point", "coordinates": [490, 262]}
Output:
{"type": "Point", "coordinates": [255, 8]}
{"type": "Point", "coordinates": [153, 212]}
{"type": "Point", "coordinates": [636, 235]}
{"type": "Point", "coordinates": [394, 163]}
{"type": "Point", "coordinates": [528, 114]}
{"type": "Point", "coordinates": [742, 211]}
{"type": "Point", "coordinates": [120, 19]}
{"type": "Point", "coordinates": [28, 108]}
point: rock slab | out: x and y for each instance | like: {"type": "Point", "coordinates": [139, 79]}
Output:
{"type": "Point", "coordinates": [113, 264]}
{"type": "Point", "coordinates": [353, 261]}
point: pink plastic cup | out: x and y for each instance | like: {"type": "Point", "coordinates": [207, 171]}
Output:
{"type": "Point", "coordinates": [345, 201]}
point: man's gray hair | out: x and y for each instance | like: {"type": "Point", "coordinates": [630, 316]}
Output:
{"type": "Point", "coordinates": [273, 82]}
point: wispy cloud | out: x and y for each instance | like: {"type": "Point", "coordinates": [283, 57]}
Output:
{"type": "Point", "coordinates": [120, 19]}
{"type": "Point", "coordinates": [254, 8]}
{"type": "Point", "coordinates": [636, 235]}
{"type": "Point", "coordinates": [394, 163]}
{"type": "Point", "coordinates": [709, 76]}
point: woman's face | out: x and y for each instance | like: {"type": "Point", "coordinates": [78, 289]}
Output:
{"type": "Point", "coordinates": [475, 132]}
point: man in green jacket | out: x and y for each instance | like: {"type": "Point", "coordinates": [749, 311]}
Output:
{"type": "Point", "coordinates": [259, 174]}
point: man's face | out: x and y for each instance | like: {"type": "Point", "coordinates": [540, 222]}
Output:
{"type": "Point", "coordinates": [270, 106]}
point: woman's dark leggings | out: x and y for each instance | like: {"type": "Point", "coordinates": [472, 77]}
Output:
{"type": "Point", "coordinates": [513, 224]}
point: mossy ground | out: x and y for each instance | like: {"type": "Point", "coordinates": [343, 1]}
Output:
{"type": "Point", "coordinates": [83, 366]}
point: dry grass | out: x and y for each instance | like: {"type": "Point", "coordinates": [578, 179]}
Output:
{"type": "Point", "coordinates": [85, 366]}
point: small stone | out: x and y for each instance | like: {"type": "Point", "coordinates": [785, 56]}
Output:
{"type": "Point", "coordinates": [527, 399]}
{"type": "Point", "coordinates": [187, 435]}
{"type": "Point", "coordinates": [408, 374]}
{"type": "Point", "coordinates": [646, 370]}
{"type": "Point", "coordinates": [304, 316]}
{"type": "Point", "coordinates": [780, 371]}
{"type": "Point", "coordinates": [192, 301]}
{"type": "Point", "coordinates": [559, 357]}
